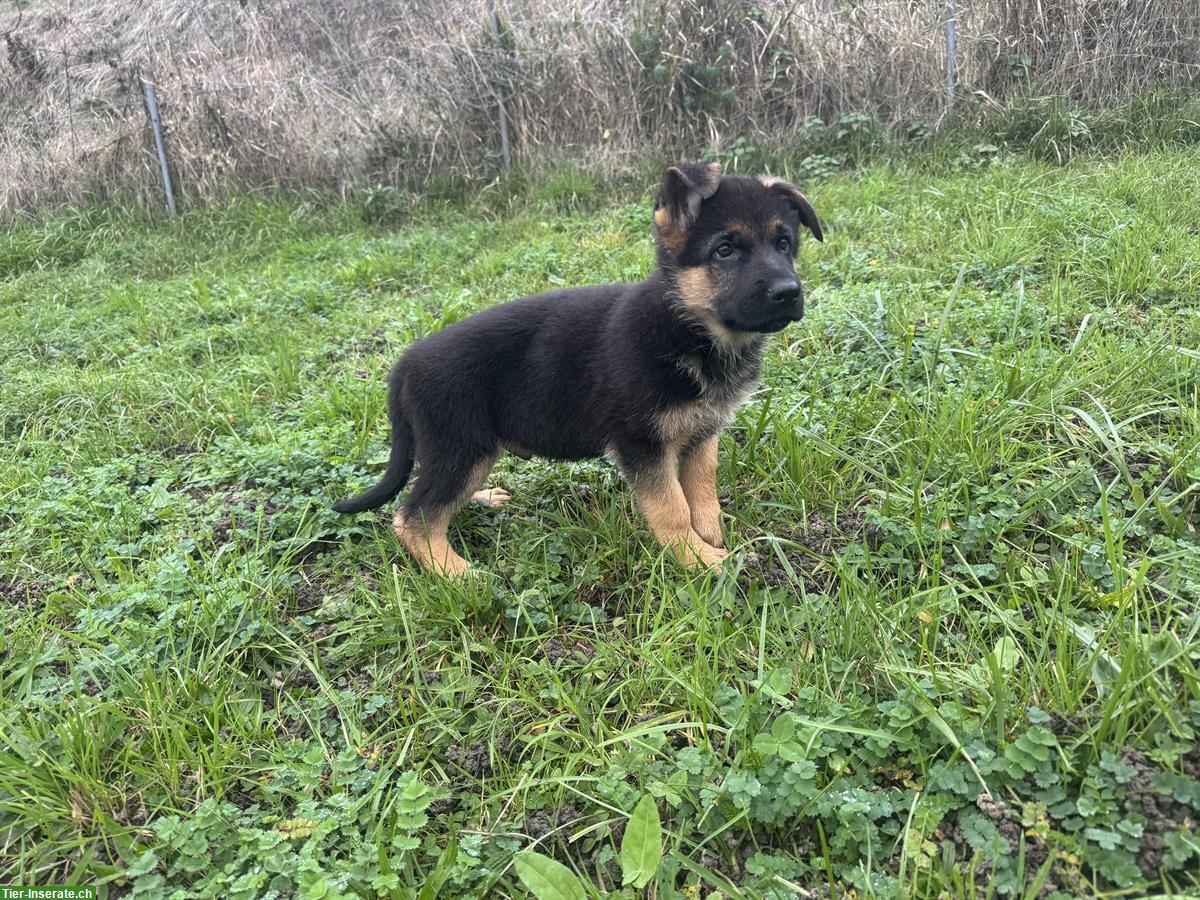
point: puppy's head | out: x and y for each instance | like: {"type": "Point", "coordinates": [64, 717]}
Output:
{"type": "Point", "coordinates": [728, 244]}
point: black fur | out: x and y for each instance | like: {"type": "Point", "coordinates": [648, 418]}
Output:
{"type": "Point", "coordinates": [589, 371]}
{"type": "Point", "coordinates": [400, 461]}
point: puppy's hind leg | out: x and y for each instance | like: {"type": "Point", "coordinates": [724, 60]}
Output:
{"type": "Point", "coordinates": [442, 487]}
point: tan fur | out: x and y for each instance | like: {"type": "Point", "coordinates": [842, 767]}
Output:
{"type": "Point", "coordinates": [673, 237]}
{"type": "Point", "coordinates": [427, 540]}
{"type": "Point", "coordinates": [678, 423]}
{"type": "Point", "coordinates": [698, 478]}
{"type": "Point", "coordinates": [698, 294]}
{"type": "Point", "coordinates": [663, 503]}
{"type": "Point", "coordinates": [738, 228]}
{"type": "Point", "coordinates": [428, 544]}
{"type": "Point", "coordinates": [697, 291]}
{"type": "Point", "coordinates": [672, 232]}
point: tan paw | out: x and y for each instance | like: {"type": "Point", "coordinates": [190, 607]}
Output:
{"type": "Point", "coordinates": [712, 557]}
{"type": "Point", "coordinates": [452, 567]}
{"type": "Point", "coordinates": [491, 496]}
{"type": "Point", "coordinates": [699, 555]}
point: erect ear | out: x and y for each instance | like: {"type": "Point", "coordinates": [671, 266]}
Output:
{"type": "Point", "coordinates": [684, 188]}
{"type": "Point", "coordinates": [808, 215]}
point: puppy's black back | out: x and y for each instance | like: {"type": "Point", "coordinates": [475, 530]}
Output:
{"type": "Point", "coordinates": [515, 374]}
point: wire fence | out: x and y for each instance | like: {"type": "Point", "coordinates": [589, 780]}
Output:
{"type": "Point", "coordinates": [344, 96]}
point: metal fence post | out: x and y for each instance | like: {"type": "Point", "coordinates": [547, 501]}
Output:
{"type": "Point", "coordinates": [950, 61]}
{"type": "Point", "coordinates": [152, 108]}
{"type": "Point", "coordinates": [504, 151]}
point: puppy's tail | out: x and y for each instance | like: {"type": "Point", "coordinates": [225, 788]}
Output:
{"type": "Point", "coordinates": [400, 462]}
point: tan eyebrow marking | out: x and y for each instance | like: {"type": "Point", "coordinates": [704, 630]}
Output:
{"type": "Point", "coordinates": [738, 228]}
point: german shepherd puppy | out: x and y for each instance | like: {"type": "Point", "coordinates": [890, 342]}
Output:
{"type": "Point", "coordinates": [646, 374]}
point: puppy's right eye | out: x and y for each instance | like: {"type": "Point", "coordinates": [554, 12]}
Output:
{"type": "Point", "coordinates": [724, 250]}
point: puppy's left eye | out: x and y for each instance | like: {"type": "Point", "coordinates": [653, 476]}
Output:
{"type": "Point", "coordinates": [724, 250]}
{"type": "Point", "coordinates": [784, 245]}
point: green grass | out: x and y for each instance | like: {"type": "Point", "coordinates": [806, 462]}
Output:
{"type": "Point", "coordinates": [963, 506]}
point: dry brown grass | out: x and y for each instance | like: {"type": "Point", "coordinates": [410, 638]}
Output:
{"type": "Point", "coordinates": [337, 96]}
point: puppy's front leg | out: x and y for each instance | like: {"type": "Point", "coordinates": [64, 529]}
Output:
{"type": "Point", "coordinates": [698, 478]}
{"type": "Point", "coordinates": [665, 506]}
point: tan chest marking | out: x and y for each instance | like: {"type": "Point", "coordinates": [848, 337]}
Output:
{"type": "Point", "coordinates": [679, 423]}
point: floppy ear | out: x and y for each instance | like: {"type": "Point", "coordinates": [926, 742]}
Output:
{"type": "Point", "coordinates": [684, 188]}
{"type": "Point", "coordinates": [808, 215]}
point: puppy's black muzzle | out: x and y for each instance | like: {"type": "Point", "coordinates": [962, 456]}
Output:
{"type": "Point", "coordinates": [781, 303]}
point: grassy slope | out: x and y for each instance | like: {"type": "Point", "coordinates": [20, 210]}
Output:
{"type": "Point", "coordinates": [967, 488]}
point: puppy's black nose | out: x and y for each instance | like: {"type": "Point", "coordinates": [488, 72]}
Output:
{"type": "Point", "coordinates": [786, 290]}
